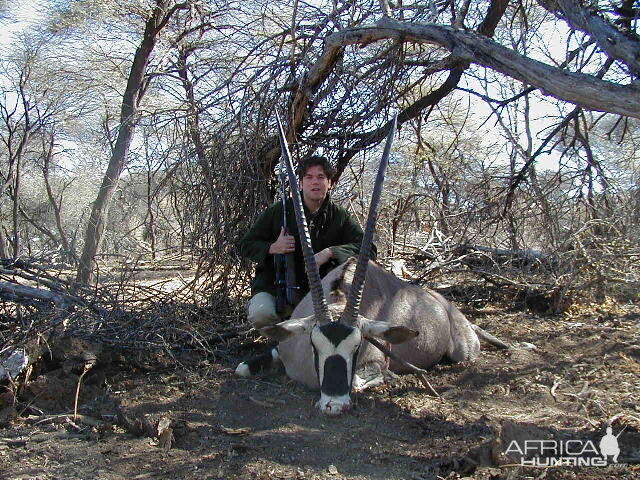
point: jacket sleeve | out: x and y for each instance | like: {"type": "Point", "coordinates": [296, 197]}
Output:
{"type": "Point", "coordinates": [256, 242]}
{"type": "Point", "coordinates": [352, 236]}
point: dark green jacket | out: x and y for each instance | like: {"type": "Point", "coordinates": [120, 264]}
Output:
{"type": "Point", "coordinates": [331, 226]}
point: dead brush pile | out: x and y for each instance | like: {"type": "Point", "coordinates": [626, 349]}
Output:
{"type": "Point", "coordinates": [126, 320]}
{"type": "Point", "coordinates": [60, 343]}
{"type": "Point", "coordinates": [589, 270]}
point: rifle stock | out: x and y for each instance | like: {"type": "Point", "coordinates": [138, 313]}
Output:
{"type": "Point", "coordinates": [287, 291]}
{"type": "Point", "coordinates": [281, 282]}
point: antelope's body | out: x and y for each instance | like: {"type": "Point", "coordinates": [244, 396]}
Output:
{"type": "Point", "coordinates": [443, 331]}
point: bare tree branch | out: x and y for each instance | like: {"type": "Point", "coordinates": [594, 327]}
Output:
{"type": "Point", "coordinates": [577, 88]}
{"type": "Point", "coordinates": [618, 45]}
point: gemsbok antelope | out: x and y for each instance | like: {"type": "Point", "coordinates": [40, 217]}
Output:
{"type": "Point", "coordinates": [323, 345]}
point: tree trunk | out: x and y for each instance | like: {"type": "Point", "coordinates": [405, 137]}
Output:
{"type": "Point", "coordinates": [444, 191]}
{"type": "Point", "coordinates": [16, 200]}
{"type": "Point", "coordinates": [68, 254]}
{"type": "Point", "coordinates": [512, 224]}
{"type": "Point", "coordinates": [193, 121]}
{"type": "Point", "coordinates": [4, 252]}
{"type": "Point", "coordinates": [551, 223]}
{"type": "Point", "coordinates": [152, 220]}
{"type": "Point", "coordinates": [132, 97]}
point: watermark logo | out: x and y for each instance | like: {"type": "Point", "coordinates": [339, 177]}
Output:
{"type": "Point", "coordinates": [609, 445]}
{"type": "Point", "coordinates": [571, 453]}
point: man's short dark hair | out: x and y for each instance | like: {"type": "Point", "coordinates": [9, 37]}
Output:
{"type": "Point", "coordinates": [313, 161]}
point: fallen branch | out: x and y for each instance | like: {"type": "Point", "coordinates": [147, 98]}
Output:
{"type": "Point", "coordinates": [41, 437]}
{"type": "Point", "coordinates": [15, 291]}
{"type": "Point", "coordinates": [87, 367]}
{"type": "Point", "coordinates": [62, 418]}
{"type": "Point", "coordinates": [52, 284]}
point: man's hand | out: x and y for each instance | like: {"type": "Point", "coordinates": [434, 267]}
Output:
{"type": "Point", "coordinates": [323, 256]}
{"type": "Point", "coordinates": [284, 244]}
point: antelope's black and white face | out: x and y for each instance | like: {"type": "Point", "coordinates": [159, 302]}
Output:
{"type": "Point", "coordinates": [335, 352]}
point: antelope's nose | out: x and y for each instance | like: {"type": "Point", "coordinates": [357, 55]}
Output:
{"type": "Point", "coordinates": [333, 407]}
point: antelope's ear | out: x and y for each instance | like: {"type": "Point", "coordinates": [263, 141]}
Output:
{"type": "Point", "coordinates": [289, 328]}
{"type": "Point", "coordinates": [383, 330]}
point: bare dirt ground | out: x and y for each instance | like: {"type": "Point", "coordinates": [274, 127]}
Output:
{"type": "Point", "coordinates": [583, 373]}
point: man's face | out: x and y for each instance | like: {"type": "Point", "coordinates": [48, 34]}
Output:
{"type": "Point", "coordinates": [315, 184]}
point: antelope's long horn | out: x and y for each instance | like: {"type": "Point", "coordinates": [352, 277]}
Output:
{"type": "Point", "coordinates": [351, 310]}
{"type": "Point", "coordinates": [320, 308]}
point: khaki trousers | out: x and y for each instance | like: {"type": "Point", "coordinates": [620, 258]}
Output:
{"type": "Point", "coordinates": [261, 310]}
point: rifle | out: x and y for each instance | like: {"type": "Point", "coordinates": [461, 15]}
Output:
{"type": "Point", "coordinates": [287, 292]}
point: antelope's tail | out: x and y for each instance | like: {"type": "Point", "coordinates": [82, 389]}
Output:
{"type": "Point", "coordinates": [487, 337]}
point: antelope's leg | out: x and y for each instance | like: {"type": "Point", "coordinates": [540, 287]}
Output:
{"type": "Point", "coordinates": [259, 363]}
{"type": "Point", "coordinates": [418, 371]}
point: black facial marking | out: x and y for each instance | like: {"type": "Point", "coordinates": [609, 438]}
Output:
{"type": "Point", "coordinates": [336, 332]}
{"type": "Point", "coordinates": [334, 382]}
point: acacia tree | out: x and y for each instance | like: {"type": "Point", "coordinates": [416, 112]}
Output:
{"type": "Point", "coordinates": [424, 43]}
{"type": "Point", "coordinates": [32, 107]}
{"type": "Point", "coordinates": [137, 83]}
